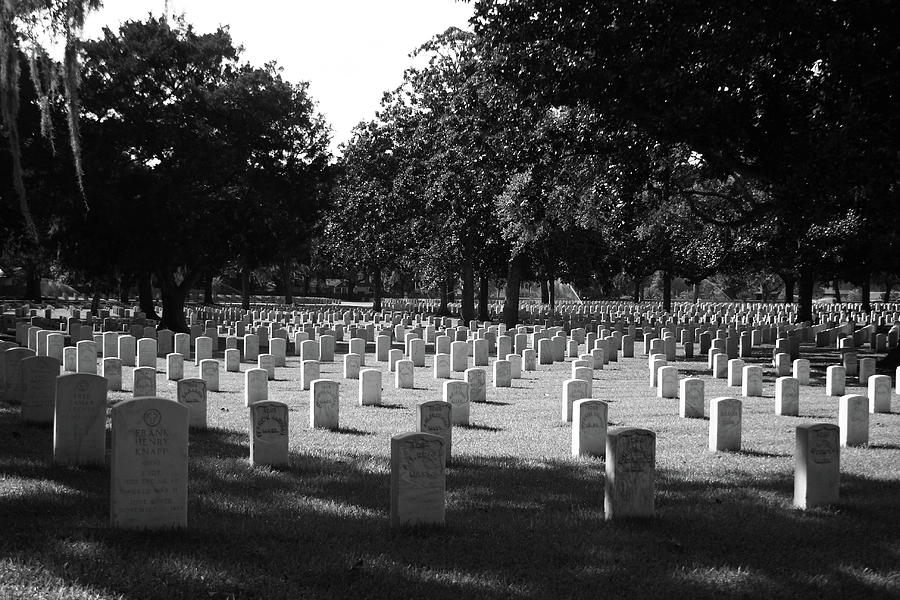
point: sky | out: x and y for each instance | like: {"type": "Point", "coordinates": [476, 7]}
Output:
{"type": "Point", "coordinates": [350, 51]}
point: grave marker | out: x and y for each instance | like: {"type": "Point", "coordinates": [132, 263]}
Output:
{"type": "Point", "coordinates": [79, 419]}
{"type": "Point", "coordinates": [816, 465]}
{"type": "Point", "coordinates": [149, 464]}
{"type": "Point", "coordinates": [418, 480]}
{"type": "Point", "coordinates": [589, 424]}
{"type": "Point", "coordinates": [630, 487]}
{"type": "Point", "coordinates": [269, 433]}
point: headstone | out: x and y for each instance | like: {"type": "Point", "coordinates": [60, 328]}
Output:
{"type": "Point", "coordinates": [369, 387]}
{"type": "Point", "coordinates": [351, 366]}
{"type": "Point", "coordinates": [144, 382]}
{"type": "Point", "coordinates": [266, 362]}
{"type": "Point", "coordinates": [879, 392]}
{"type": "Point", "coordinates": [192, 394]}
{"type": "Point", "coordinates": [529, 360]}
{"type": "Point", "coordinates": [735, 372]}
{"type": "Point", "coordinates": [309, 350]}
{"type": "Point", "coordinates": [866, 370]}
{"type": "Point", "coordinates": [251, 348]}
{"type": "Point", "coordinates": [174, 366]}
{"type": "Point", "coordinates": [278, 350]}
{"type": "Point", "coordinates": [456, 393]}
{"type": "Point", "coordinates": [589, 421]}
{"type": "Point", "coordinates": [324, 404]}
{"type": "Point", "coordinates": [724, 424]}
{"type": "Point", "coordinates": [326, 348]}
{"type": "Point", "coordinates": [442, 366]}
{"type": "Point", "coordinates": [477, 388]}
{"type": "Point", "coordinates": [691, 398]}
{"type": "Point", "coordinates": [394, 356]}
{"type": "Point", "coordinates": [165, 342]}
{"type": "Point", "coordinates": [572, 390]}
{"type": "Point", "coordinates": [232, 360]}
{"type": "Point", "coordinates": [418, 480]}
{"type": "Point", "coordinates": [309, 372]}
{"type": "Point", "coordinates": [667, 382]}
{"type": "Point", "coordinates": [434, 417]}
{"type": "Point", "coordinates": [787, 396]}
{"type": "Point", "coordinates": [459, 356]}
{"type": "Point", "coordinates": [515, 366]}
{"type": "Point", "coordinates": [12, 373]}
{"type": "Point", "coordinates": [382, 346]}
{"type": "Point", "coordinates": [38, 379]}
{"type": "Point", "coordinates": [87, 357]}
{"type": "Point", "coordinates": [545, 351]}
{"type": "Point", "coordinates": [853, 420]}
{"type": "Point", "coordinates": [55, 344]}
{"type": "Point", "coordinates": [146, 352]}
{"type": "Point", "coordinates": [801, 371]}
{"type": "Point", "coordinates": [269, 433]}
{"type": "Point", "coordinates": [79, 419]}
{"type": "Point", "coordinates": [835, 380]}
{"type": "Point", "coordinates": [70, 359]}
{"type": "Point", "coordinates": [417, 352]}
{"type": "Point", "coordinates": [183, 345]}
{"type": "Point", "coordinates": [112, 372]}
{"type": "Point", "coordinates": [358, 346]}
{"type": "Point", "coordinates": [630, 487]}
{"type": "Point", "coordinates": [149, 464]}
{"type": "Point", "coordinates": [403, 378]}
{"type": "Point", "coordinates": [816, 465]}
{"type": "Point", "coordinates": [256, 386]}
{"type": "Point", "coordinates": [209, 373]}
{"type": "Point", "coordinates": [502, 375]}
{"type": "Point", "coordinates": [127, 350]}
{"type": "Point", "coordinates": [751, 386]}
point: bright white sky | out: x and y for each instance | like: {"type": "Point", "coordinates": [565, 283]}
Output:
{"type": "Point", "coordinates": [350, 51]}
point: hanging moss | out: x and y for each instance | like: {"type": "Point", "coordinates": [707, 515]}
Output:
{"type": "Point", "coordinates": [66, 19]}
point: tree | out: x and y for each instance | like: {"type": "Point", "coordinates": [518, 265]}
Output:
{"type": "Point", "coordinates": [202, 158]}
{"type": "Point", "coordinates": [791, 105]}
{"type": "Point", "coordinates": [23, 25]}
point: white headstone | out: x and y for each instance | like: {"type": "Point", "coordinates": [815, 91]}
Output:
{"type": "Point", "coordinates": [149, 464]}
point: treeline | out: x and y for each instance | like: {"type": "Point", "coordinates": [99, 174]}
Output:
{"type": "Point", "coordinates": [596, 143]}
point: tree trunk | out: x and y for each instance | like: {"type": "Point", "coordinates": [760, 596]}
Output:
{"type": "Point", "coordinates": [667, 291]}
{"type": "Point", "coordinates": [866, 291]}
{"type": "Point", "coordinates": [484, 297]}
{"type": "Point", "coordinates": [145, 295]}
{"type": "Point", "coordinates": [551, 290]}
{"type": "Point", "coordinates": [837, 290]}
{"type": "Point", "coordinates": [288, 283]}
{"type": "Point", "coordinates": [351, 284]}
{"type": "Point", "coordinates": [95, 301]}
{"type": "Point", "coordinates": [804, 298]}
{"type": "Point", "coordinates": [124, 285]}
{"type": "Point", "coordinates": [513, 282]}
{"type": "Point", "coordinates": [306, 283]}
{"type": "Point", "coordinates": [637, 290]}
{"type": "Point", "coordinates": [173, 297]}
{"type": "Point", "coordinates": [377, 289]}
{"type": "Point", "coordinates": [696, 293]}
{"type": "Point", "coordinates": [443, 311]}
{"type": "Point", "coordinates": [789, 281]}
{"type": "Point", "coordinates": [33, 285]}
{"type": "Point", "coordinates": [467, 310]}
{"type": "Point", "coordinates": [545, 292]}
{"type": "Point", "coordinates": [245, 288]}
{"type": "Point", "coordinates": [208, 299]}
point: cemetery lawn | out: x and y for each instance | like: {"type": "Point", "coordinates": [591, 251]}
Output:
{"type": "Point", "coordinates": [524, 518]}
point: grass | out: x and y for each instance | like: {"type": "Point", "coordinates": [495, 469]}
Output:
{"type": "Point", "coordinates": [524, 518]}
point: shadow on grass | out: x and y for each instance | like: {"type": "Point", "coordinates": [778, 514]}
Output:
{"type": "Point", "coordinates": [477, 427]}
{"type": "Point", "coordinates": [352, 431]}
{"type": "Point", "coordinates": [760, 453]}
{"type": "Point", "coordinates": [516, 528]}
{"type": "Point", "coordinates": [493, 403]}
